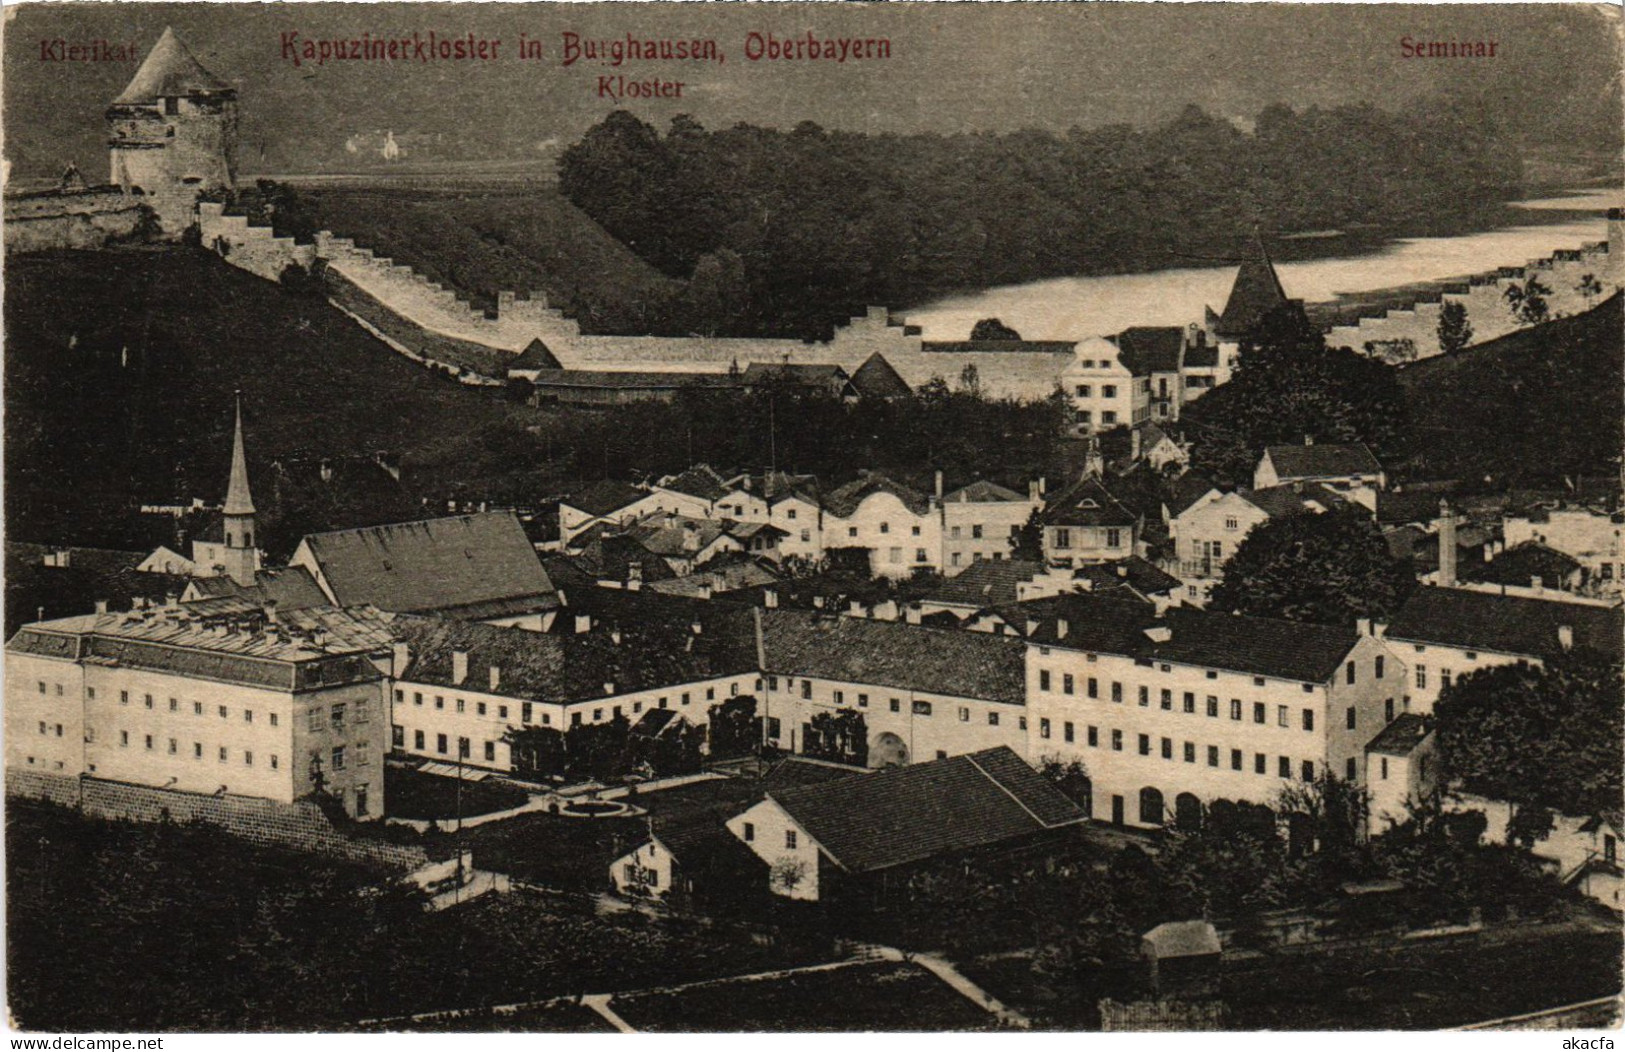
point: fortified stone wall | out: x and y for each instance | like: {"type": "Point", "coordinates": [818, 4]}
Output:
{"type": "Point", "coordinates": [1484, 296]}
{"type": "Point", "coordinates": [86, 219]}
{"type": "Point", "coordinates": [255, 249]}
{"type": "Point", "coordinates": [300, 825]}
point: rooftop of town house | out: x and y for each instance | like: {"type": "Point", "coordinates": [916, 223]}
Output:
{"type": "Point", "coordinates": [1506, 624]}
{"type": "Point", "coordinates": [846, 499]}
{"type": "Point", "coordinates": [603, 497]}
{"type": "Point", "coordinates": [1322, 460]}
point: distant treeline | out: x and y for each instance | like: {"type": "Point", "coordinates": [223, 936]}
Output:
{"type": "Point", "coordinates": [786, 232]}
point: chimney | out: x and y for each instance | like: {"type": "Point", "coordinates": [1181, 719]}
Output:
{"type": "Point", "coordinates": [1035, 491]}
{"type": "Point", "coordinates": [818, 602]}
{"type": "Point", "coordinates": [614, 637]}
{"type": "Point", "coordinates": [269, 607]}
{"type": "Point", "coordinates": [459, 667]}
{"type": "Point", "coordinates": [327, 471]}
{"type": "Point", "coordinates": [939, 484]}
{"type": "Point", "coordinates": [400, 654]}
{"type": "Point", "coordinates": [696, 627]}
{"type": "Point", "coordinates": [770, 599]}
{"type": "Point", "coordinates": [1134, 444]}
{"type": "Point", "coordinates": [911, 614]}
{"type": "Point", "coordinates": [1447, 545]}
{"type": "Point", "coordinates": [1565, 637]}
{"type": "Point", "coordinates": [1159, 633]}
{"type": "Point", "coordinates": [583, 623]}
{"type": "Point", "coordinates": [1308, 440]}
{"type": "Point", "coordinates": [1362, 626]}
{"type": "Point", "coordinates": [496, 677]}
{"type": "Point", "coordinates": [706, 590]}
{"type": "Point", "coordinates": [609, 689]}
{"type": "Point", "coordinates": [1536, 583]}
{"type": "Point", "coordinates": [691, 537]}
{"type": "Point", "coordinates": [101, 608]}
{"type": "Point", "coordinates": [1060, 628]}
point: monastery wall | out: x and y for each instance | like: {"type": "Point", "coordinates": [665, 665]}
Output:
{"type": "Point", "coordinates": [255, 249]}
{"type": "Point", "coordinates": [86, 219]}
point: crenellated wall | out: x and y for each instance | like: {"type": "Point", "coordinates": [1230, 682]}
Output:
{"type": "Point", "coordinates": [1484, 296]}
{"type": "Point", "coordinates": [255, 249]}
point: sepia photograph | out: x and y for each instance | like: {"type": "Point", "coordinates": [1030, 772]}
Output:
{"type": "Point", "coordinates": [870, 518]}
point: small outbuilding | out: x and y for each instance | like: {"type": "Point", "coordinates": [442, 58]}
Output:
{"type": "Point", "coordinates": [1182, 958]}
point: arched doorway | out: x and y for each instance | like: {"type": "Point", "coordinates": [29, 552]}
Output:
{"type": "Point", "coordinates": [1150, 806]}
{"type": "Point", "coordinates": [1188, 813]}
{"type": "Point", "coordinates": [888, 750]}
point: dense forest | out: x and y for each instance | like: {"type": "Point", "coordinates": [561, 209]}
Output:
{"type": "Point", "coordinates": [786, 232]}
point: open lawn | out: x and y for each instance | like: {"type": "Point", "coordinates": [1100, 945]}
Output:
{"type": "Point", "coordinates": [866, 997]}
{"type": "Point", "coordinates": [413, 794]}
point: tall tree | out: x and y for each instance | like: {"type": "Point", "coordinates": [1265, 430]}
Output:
{"type": "Point", "coordinates": [1545, 736]}
{"type": "Point", "coordinates": [1327, 568]}
{"type": "Point", "coordinates": [1528, 302]}
{"type": "Point", "coordinates": [1455, 331]}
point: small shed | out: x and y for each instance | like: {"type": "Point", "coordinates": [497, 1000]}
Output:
{"type": "Point", "coordinates": [1182, 958]}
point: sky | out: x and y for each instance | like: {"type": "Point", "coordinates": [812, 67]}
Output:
{"type": "Point", "coordinates": [953, 67]}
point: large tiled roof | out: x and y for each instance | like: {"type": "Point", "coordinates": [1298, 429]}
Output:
{"type": "Point", "coordinates": [566, 666]}
{"type": "Point", "coordinates": [430, 565]}
{"type": "Point", "coordinates": [628, 379]}
{"type": "Point", "coordinates": [894, 654]}
{"type": "Point", "coordinates": [1056, 347]}
{"type": "Point", "coordinates": [1150, 349]}
{"type": "Point", "coordinates": [1322, 460]}
{"type": "Point", "coordinates": [1086, 503]}
{"type": "Point", "coordinates": [812, 375]}
{"type": "Point", "coordinates": [603, 497]}
{"type": "Point", "coordinates": [1255, 294]}
{"type": "Point", "coordinates": [986, 582]}
{"type": "Point", "coordinates": [845, 500]}
{"type": "Point", "coordinates": [1258, 646]}
{"type": "Point", "coordinates": [169, 70]}
{"type": "Point", "coordinates": [1505, 624]}
{"type": "Point", "coordinates": [871, 822]}
{"type": "Point", "coordinates": [1135, 572]}
{"type": "Point", "coordinates": [1276, 501]}
{"type": "Point", "coordinates": [237, 648]}
{"type": "Point", "coordinates": [1183, 493]}
{"type": "Point", "coordinates": [667, 535]}
{"type": "Point", "coordinates": [1400, 736]}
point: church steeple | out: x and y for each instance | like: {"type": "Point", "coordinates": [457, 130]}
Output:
{"type": "Point", "coordinates": [241, 557]}
{"type": "Point", "coordinates": [238, 499]}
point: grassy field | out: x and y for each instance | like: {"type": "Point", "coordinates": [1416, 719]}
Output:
{"type": "Point", "coordinates": [484, 242]}
{"type": "Point", "coordinates": [867, 997]}
{"type": "Point", "coordinates": [412, 794]}
{"type": "Point", "coordinates": [1529, 407]}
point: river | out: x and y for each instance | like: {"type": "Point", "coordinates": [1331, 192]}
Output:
{"type": "Point", "coordinates": [1070, 308]}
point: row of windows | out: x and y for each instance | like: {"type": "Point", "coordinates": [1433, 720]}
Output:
{"type": "Point", "coordinates": [917, 707]}
{"type": "Point", "coordinates": [749, 832]}
{"type": "Point", "coordinates": [1187, 701]}
{"type": "Point", "coordinates": [527, 710]}
{"type": "Point", "coordinates": [223, 753]}
{"type": "Point", "coordinates": [1188, 751]}
{"type": "Point", "coordinates": [223, 711]}
{"type": "Point", "coordinates": [335, 715]}
{"type": "Point", "coordinates": [1063, 537]}
{"type": "Point", "coordinates": [442, 744]}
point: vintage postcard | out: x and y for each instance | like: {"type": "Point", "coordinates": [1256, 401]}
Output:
{"type": "Point", "coordinates": [650, 518]}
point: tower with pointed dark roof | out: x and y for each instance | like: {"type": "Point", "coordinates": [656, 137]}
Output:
{"type": "Point", "coordinates": [240, 557]}
{"type": "Point", "coordinates": [172, 133]}
{"type": "Point", "coordinates": [1255, 294]}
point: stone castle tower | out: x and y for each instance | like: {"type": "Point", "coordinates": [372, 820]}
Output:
{"type": "Point", "coordinates": [172, 134]}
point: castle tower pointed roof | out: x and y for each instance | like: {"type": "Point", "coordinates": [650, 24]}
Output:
{"type": "Point", "coordinates": [169, 70]}
{"type": "Point", "coordinates": [1257, 291]}
{"type": "Point", "coordinates": [238, 499]}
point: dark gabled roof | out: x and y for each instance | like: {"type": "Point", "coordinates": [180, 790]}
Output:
{"type": "Point", "coordinates": [845, 500]}
{"type": "Point", "coordinates": [1202, 355]}
{"type": "Point", "coordinates": [986, 582]}
{"type": "Point", "coordinates": [1134, 572]}
{"type": "Point", "coordinates": [876, 378]}
{"type": "Point", "coordinates": [1255, 294]}
{"type": "Point", "coordinates": [535, 356]}
{"type": "Point", "coordinates": [668, 535]}
{"type": "Point", "coordinates": [1150, 349]}
{"type": "Point", "coordinates": [994, 346]}
{"type": "Point", "coordinates": [1398, 507]}
{"type": "Point", "coordinates": [894, 654]}
{"type": "Point", "coordinates": [1086, 503]}
{"type": "Point", "coordinates": [1400, 737]}
{"type": "Point", "coordinates": [984, 492]}
{"type": "Point", "coordinates": [169, 70]}
{"type": "Point", "coordinates": [812, 375]}
{"type": "Point", "coordinates": [609, 557]}
{"type": "Point", "coordinates": [1506, 624]}
{"type": "Point", "coordinates": [291, 588]}
{"type": "Point", "coordinates": [431, 564]}
{"type": "Point", "coordinates": [731, 577]}
{"type": "Point", "coordinates": [1258, 646]}
{"type": "Point", "coordinates": [890, 818]}
{"type": "Point", "coordinates": [1276, 501]}
{"type": "Point", "coordinates": [1185, 491]}
{"type": "Point", "coordinates": [1520, 565]}
{"type": "Point", "coordinates": [567, 666]}
{"type": "Point", "coordinates": [603, 497]}
{"type": "Point", "coordinates": [701, 480]}
{"type": "Point", "coordinates": [1322, 461]}
{"type": "Point", "coordinates": [708, 853]}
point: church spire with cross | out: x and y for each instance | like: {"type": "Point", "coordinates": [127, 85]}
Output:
{"type": "Point", "coordinates": [242, 558]}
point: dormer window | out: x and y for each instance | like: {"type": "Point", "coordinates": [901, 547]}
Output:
{"type": "Point", "coordinates": [1088, 502]}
